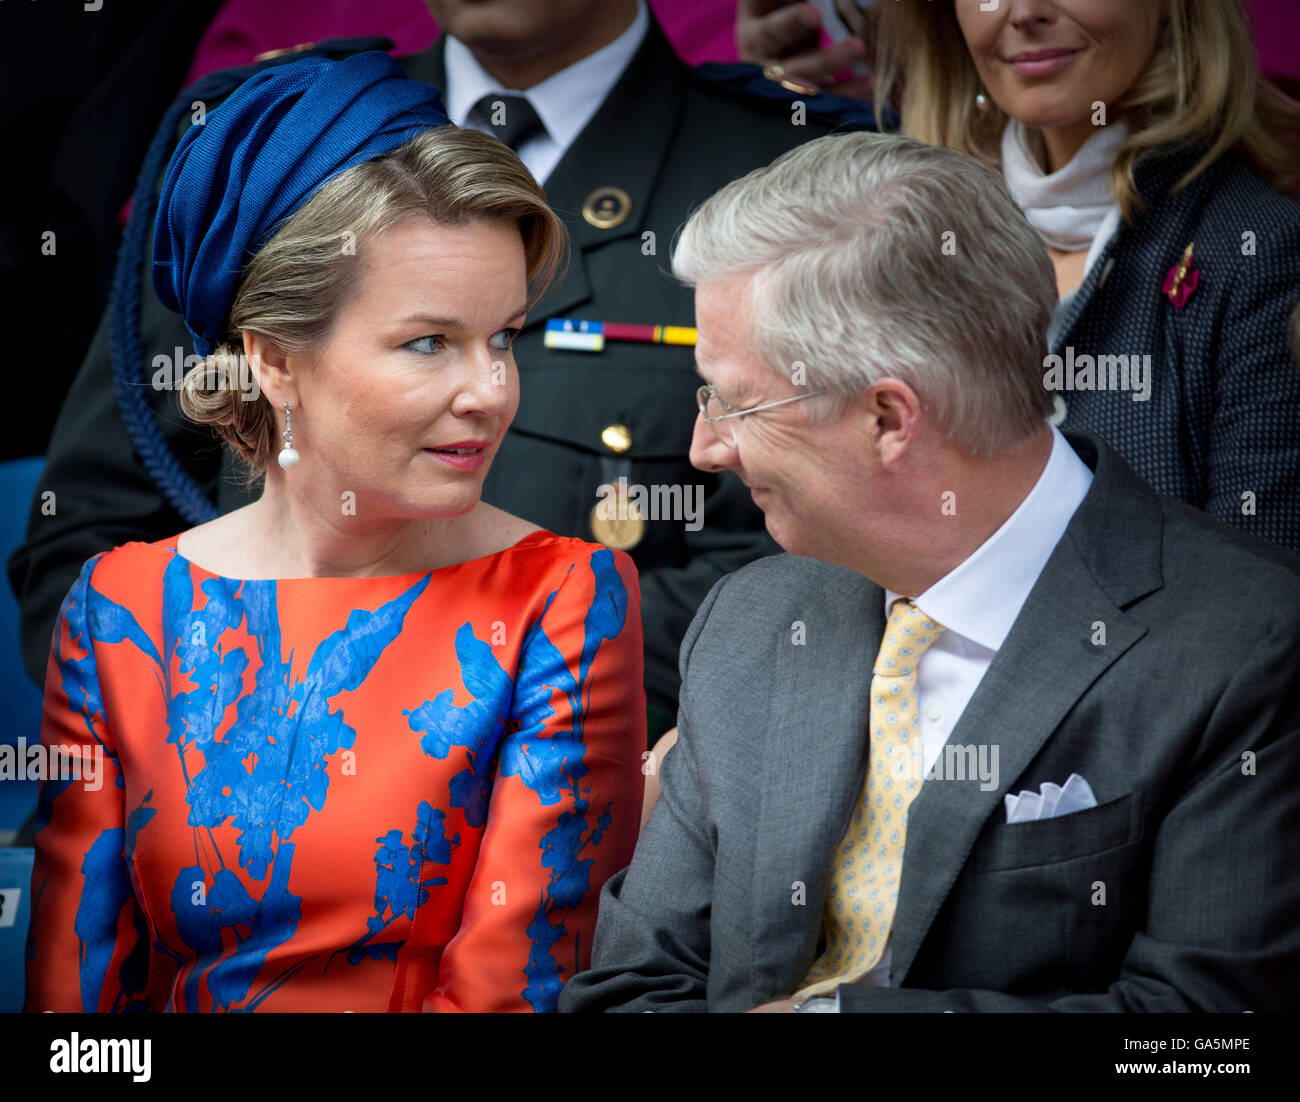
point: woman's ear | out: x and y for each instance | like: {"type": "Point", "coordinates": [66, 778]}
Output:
{"type": "Point", "coordinates": [272, 369]}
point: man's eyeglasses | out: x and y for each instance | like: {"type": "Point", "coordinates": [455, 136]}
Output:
{"type": "Point", "coordinates": [721, 417]}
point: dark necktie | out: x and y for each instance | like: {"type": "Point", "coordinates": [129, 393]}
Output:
{"type": "Point", "coordinates": [510, 118]}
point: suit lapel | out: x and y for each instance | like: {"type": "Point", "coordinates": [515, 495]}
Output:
{"type": "Point", "coordinates": [813, 757]}
{"type": "Point", "coordinates": [1046, 664]}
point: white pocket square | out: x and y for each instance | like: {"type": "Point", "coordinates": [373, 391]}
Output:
{"type": "Point", "coordinates": [1051, 801]}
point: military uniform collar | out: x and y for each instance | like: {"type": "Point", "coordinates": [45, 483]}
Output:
{"type": "Point", "coordinates": [565, 101]}
{"type": "Point", "coordinates": [622, 146]}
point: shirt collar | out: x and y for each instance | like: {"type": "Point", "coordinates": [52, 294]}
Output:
{"type": "Point", "coordinates": [564, 101]}
{"type": "Point", "coordinates": [981, 597]}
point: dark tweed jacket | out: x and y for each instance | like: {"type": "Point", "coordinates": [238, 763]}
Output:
{"type": "Point", "coordinates": [1221, 429]}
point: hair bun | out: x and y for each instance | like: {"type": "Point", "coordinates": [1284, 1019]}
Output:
{"type": "Point", "coordinates": [222, 391]}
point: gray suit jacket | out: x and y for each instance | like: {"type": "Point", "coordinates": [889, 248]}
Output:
{"type": "Point", "coordinates": [1179, 891]}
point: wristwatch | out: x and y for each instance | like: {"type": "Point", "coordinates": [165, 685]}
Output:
{"type": "Point", "coordinates": [818, 1004]}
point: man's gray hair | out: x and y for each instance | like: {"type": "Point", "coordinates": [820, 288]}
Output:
{"type": "Point", "coordinates": [876, 256]}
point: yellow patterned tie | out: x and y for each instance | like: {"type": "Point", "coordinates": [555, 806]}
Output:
{"type": "Point", "coordinates": [869, 862]}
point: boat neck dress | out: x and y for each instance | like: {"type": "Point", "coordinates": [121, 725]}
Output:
{"type": "Point", "coordinates": [327, 794]}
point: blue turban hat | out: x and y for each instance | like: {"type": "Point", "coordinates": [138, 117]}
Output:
{"type": "Point", "coordinates": [258, 157]}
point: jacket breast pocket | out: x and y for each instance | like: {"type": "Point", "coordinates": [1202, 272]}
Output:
{"type": "Point", "coordinates": [1050, 841]}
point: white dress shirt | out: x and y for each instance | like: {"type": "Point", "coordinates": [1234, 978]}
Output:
{"type": "Point", "coordinates": [565, 101]}
{"type": "Point", "coordinates": [979, 600]}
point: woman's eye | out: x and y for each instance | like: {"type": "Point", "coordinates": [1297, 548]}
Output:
{"type": "Point", "coordinates": [426, 345]}
{"type": "Point", "coordinates": [502, 342]}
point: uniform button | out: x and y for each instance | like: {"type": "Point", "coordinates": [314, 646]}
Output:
{"type": "Point", "coordinates": [1059, 410]}
{"type": "Point", "coordinates": [607, 207]}
{"type": "Point", "coordinates": [790, 82]}
{"type": "Point", "coordinates": [617, 438]}
{"type": "Point", "coordinates": [934, 710]}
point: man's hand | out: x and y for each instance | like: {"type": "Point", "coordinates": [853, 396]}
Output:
{"type": "Point", "coordinates": [769, 34]}
{"type": "Point", "coordinates": [782, 1006]}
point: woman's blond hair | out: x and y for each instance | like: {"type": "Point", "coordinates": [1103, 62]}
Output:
{"type": "Point", "coordinates": [294, 286]}
{"type": "Point", "coordinates": [1202, 86]}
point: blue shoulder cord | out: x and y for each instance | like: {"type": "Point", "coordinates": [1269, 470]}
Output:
{"type": "Point", "coordinates": [180, 489]}
{"type": "Point", "coordinates": [176, 483]}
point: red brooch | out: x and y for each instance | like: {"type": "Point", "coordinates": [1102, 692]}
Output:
{"type": "Point", "coordinates": [1182, 279]}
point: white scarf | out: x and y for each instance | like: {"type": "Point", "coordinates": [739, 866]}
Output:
{"type": "Point", "coordinates": [1068, 206]}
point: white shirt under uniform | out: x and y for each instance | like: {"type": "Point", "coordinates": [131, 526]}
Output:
{"type": "Point", "coordinates": [565, 101]}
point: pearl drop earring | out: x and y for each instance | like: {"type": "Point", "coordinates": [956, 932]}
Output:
{"type": "Point", "coordinates": [981, 101]}
{"type": "Point", "coordinates": [287, 457]}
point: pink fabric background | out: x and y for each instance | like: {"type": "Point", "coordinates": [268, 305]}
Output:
{"type": "Point", "coordinates": [701, 30]}
{"type": "Point", "coordinates": [1277, 36]}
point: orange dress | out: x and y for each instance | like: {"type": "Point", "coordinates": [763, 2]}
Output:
{"type": "Point", "coordinates": [334, 794]}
